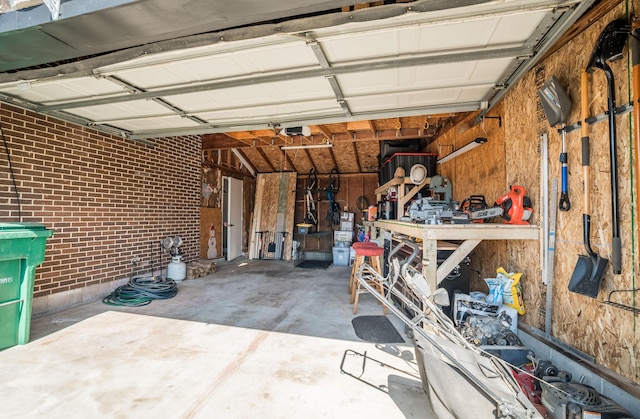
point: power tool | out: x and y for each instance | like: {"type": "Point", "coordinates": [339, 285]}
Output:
{"type": "Point", "coordinates": [516, 206]}
{"type": "Point", "coordinates": [478, 210]}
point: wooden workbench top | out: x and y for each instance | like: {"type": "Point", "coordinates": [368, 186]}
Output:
{"type": "Point", "coordinates": [461, 231]}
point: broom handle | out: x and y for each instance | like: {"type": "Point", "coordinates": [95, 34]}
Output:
{"type": "Point", "coordinates": [584, 113]}
{"type": "Point", "coordinates": [635, 71]}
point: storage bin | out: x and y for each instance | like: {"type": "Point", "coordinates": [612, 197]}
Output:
{"type": "Point", "coordinates": [342, 245]}
{"type": "Point", "coordinates": [346, 216]}
{"type": "Point", "coordinates": [346, 225]}
{"type": "Point", "coordinates": [343, 236]}
{"type": "Point", "coordinates": [22, 247]}
{"type": "Point", "coordinates": [390, 147]}
{"type": "Point", "coordinates": [304, 228]}
{"type": "Point", "coordinates": [341, 256]}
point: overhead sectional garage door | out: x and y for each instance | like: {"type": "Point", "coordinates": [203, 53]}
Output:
{"type": "Point", "coordinates": [396, 60]}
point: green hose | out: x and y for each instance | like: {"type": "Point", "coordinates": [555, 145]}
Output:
{"type": "Point", "coordinates": [141, 291]}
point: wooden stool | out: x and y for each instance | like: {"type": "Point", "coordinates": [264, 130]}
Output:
{"type": "Point", "coordinates": [357, 261]}
{"type": "Point", "coordinates": [373, 253]}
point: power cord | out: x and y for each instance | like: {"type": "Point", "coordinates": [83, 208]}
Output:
{"type": "Point", "coordinates": [13, 177]}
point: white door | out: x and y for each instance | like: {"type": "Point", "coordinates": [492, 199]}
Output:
{"type": "Point", "coordinates": [234, 219]}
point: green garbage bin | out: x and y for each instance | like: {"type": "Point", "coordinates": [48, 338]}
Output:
{"type": "Point", "coordinates": [22, 247]}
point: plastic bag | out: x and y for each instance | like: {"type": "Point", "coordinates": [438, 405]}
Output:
{"type": "Point", "coordinates": [496, 290]}
{"type": "Point", "coordinates": [512, 296]}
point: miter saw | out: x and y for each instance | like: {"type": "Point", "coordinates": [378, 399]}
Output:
{"type": "Point", "coordinates": [517, 207]}
{"type": "Point", "coordinates": [439, 208]}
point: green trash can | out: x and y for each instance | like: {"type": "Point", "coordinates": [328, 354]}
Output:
{"type": "Point", "coordinates": [22, 247]}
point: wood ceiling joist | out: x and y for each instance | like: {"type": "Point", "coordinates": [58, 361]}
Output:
{"type": "Point", "coordinates": [355, 152]}
{"type": "Point", "coordinates": [220, 142]}
{"type": "Point", "coordinates": [246, 161]}
{"type": "Point", "coordinates": [380, 135]}
{"type": "Point", "coordinates": [333, 158]}
{"type": "Point", "coordinates": [361, 126]}
{"type": "Point", "coordinates": [266, 159]}
{"type": "Point", "coordinates": [290, 164]}
{"type": "Point", "coordinates": [308, 154]}
{"type": "Point", "coordinates": [324, 130]}
{"type": "Point", "coordinates": [243, 136]}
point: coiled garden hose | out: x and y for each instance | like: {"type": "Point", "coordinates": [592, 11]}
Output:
{"type": "Point", "coordinates": [141, 291]}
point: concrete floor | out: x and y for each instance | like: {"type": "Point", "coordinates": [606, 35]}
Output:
{"type": "Point", "coordinates": [255, 339]}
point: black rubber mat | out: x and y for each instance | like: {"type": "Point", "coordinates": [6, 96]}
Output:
{"type": "Point", "coordinates": [376, 329]}
{"type": "Point", "coordinates": [314, 264]}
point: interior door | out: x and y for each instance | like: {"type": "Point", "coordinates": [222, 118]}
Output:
{"type": "Point", "coordinates": [234, 219]}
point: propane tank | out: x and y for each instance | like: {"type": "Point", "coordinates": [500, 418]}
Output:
{"type": "Point", "coordinates": [177, 269]}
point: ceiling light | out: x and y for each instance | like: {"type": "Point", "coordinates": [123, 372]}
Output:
{"type": "Point", "coordinates": [473, 144]}
{"type": "Point", "coordinates": [297, 147]}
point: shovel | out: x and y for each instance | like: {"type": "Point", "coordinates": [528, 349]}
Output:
{"type": "Point", "coordinates": [590, 268]}
{"type": "Point", "coordinates": [609, 48]}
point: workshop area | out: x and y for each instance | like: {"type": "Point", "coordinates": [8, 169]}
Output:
{"type": "Point", "coordinates": [320, 208]}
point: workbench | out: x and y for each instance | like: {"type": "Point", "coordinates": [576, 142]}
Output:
{"type": "Point", "coordinates": [463, 237]}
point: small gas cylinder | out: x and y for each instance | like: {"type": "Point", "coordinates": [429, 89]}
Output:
{"type": "Point", "coordinates": [177, 269]}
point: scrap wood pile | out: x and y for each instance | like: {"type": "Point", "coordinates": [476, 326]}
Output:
{"type": "Point", "coordinates": [200, 268]}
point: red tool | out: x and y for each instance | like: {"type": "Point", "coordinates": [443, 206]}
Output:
{"type": "Point", "coordinates": [517, 207]}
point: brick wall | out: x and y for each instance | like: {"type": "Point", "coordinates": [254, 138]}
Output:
{"type": "Point", "coordinates": [107, 199]}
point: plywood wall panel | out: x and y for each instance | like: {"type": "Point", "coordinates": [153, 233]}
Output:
{"type": "Point", "coordinates": [368, 152]}
{"type": "Point", "coordinates": [512, 156]}
{"type": "Point", "coordinates": [345, 156]}
{"type": "Point", "coordinates": [275, 194]}
{"type": "Point", "coordinates": [578, 320]}
{"type": "Point", "coordinates": [210, 233]}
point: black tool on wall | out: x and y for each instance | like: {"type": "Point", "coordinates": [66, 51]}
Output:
{"type": "Point", "coordinates": [609, 47]}
{"type": "Point", "coordinates": [557, 106]}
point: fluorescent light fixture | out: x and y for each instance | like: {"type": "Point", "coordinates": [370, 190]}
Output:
{"type": "Point", "coordinates": [244, 161]}
{"type": "Point", "coordinates": [297, 147]}
{"type": "Point", "coordinates": [473, 144]}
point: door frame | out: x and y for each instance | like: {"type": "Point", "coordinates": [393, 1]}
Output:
{"type": "Point", "coordinates": [227, 196]}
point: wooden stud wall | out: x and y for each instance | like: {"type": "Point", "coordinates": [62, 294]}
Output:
{"type": "Point", "coordinates": [352, 187]}
{"type": "Point", "coordinates": [216, 164]}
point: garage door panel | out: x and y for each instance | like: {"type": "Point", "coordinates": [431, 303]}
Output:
{"type": "Point", "coordinates": [444, 37]}
{"type": "Point", "coordinates": [208, 66]}
{"type": "Point", "coordinates": [152, 124]}
{"type": "Point", "coordinates": [320, 107]}
{"type": "Point", "coordinates": [255, 94]}
{"type": "Point", "coordinates": [60, 90]}
{"type": "Point", "coordinates": [424, 77]}
{"type": "Point", "coordinates": [139, 108]}
{"type": "Point", "coordinates": [418, 99]}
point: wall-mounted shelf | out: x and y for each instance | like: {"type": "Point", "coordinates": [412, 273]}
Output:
{"type": "Point", "coordinates": [401, 181]}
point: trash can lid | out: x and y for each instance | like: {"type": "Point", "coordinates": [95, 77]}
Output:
{"type": "Point", "coordinates": [22, 226]}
